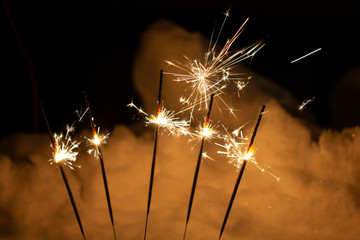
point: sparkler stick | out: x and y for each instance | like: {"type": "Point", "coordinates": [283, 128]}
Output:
{"type": "Point", "coordinates": [198, 166]}
{"type": "Point", "coordinates": [72, 200]}
{"type": "Point", "coordinates": [97, 141]}
{"type": "Point", "coordinates": [154, 155]}
{"type": "Point", "coordinates": [54, 145]}
{"type": "Point", "coordinates": [241, 171]}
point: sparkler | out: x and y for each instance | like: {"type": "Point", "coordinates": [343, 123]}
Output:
{"type": "Point", "coordinates": [96, 142]}
{"type": "Point", "coordinates": [157, 128]}
{"type": "Point", "coordinates": [212, 76]}
{"type": "Point", "coordinates": [64, 154]}
{"type": "Point", "coordinates": [244, 159]}
{"type": "Point", "coordinates": [206, 133]}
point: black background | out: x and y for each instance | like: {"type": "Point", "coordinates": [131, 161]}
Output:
{"type": "Point", "coordinates": [91, 46]}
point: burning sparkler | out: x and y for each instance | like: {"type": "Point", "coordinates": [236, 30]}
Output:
{"type": "Point", "coordinates": [206, 133]}
{"type": "Point", "coordinates": [96, 141]}
{"type": "Point", "coordinates": [213, 75]}
{"type": "Point", "coordinates": [243, 158]}
{"type": "Point", "coordinates": [152, 173]}
{"type": "Point", "coordinates": [64, 153]}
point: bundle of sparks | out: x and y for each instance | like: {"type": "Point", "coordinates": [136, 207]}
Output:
{"type": "Point", "coordinates": [214, 74]}
{"type": "Point", "coordinates": [64, 149]}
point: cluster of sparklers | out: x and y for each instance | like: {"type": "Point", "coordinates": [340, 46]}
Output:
{"type": "Point", "coordinates": [64, 154]}
{"type": "Point", "coordinates": [207, 81]}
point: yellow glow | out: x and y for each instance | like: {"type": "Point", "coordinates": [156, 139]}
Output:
{"type": "Point", "coordinates": [58, 157]}
{"type": "Point", "coordinates": [206, 132]}
{"type": "Point", "coordinates": [96, 140]}
{"type": "Point", "coordinates": [161, 119]}
{"type": "Point", "coordinates": [249, 154]}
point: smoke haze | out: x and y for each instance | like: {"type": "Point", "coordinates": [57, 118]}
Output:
{"type": "Point", "coordinates": [317, 197]}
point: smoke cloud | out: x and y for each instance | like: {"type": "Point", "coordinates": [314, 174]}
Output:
{"type": "Point", "coordinates": [317, 197]}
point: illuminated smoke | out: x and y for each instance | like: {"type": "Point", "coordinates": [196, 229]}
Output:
{"type": "Point", "coordinates": [317, 197]}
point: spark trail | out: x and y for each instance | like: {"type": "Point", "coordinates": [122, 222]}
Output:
{"type": "Point", "coordinates": [304, 103]}
{"type": "Point", "coordinates": [306, 55]}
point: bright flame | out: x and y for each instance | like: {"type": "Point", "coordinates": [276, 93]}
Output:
{"type": "Point", "coordinates": [97, 140]}
{"type": "Point", "coordinates": [249, 154]}
{"type": "Point", "coordinates": [161, 119]}
{"type": "Point", "coordinates": [206, 132]}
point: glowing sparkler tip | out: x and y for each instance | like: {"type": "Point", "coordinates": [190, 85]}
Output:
{"type": "Point", "coordinates": [58, 157]}
{"type": "Point", "coordinates": [161, 119]}
{"type": "Point", "coordinates": [249, 154]}
{"type": "Point", "coordinates": [206, 132]}
{"type": "Point", "coordinates": [96, 140]}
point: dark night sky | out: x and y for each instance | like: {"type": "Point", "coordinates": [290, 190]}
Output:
{"type": "Point", "coordinates": [76, 47]}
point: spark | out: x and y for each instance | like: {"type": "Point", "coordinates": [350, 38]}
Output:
{"type": "Point", "coordinates": [205, 155]}
{"type": "Point", "coordinates": [208, 131]}
{"type": "Point", "coordinates": [241, 85]}
{"type": "Point", "coordinates": [97, 140]}
{"type": "Point", "coordinates": [139, 109]}
{"type": "Point", "coordinates": [236, 150]}
{"type": "Point", "coordinates": [166, 119]}
{"type": "Point", "coordinates": [64, 149]}
{"type": "Point", "coordinates": [214, 74]}
{"type": "Point", "coordinates": [81, 115]}
{"type": "Point", "coordinates": [234, 147]}
{"type": "Point", "coordinates": [306, 55]}
{"type": "Point", "coordinates": [304, 103]}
